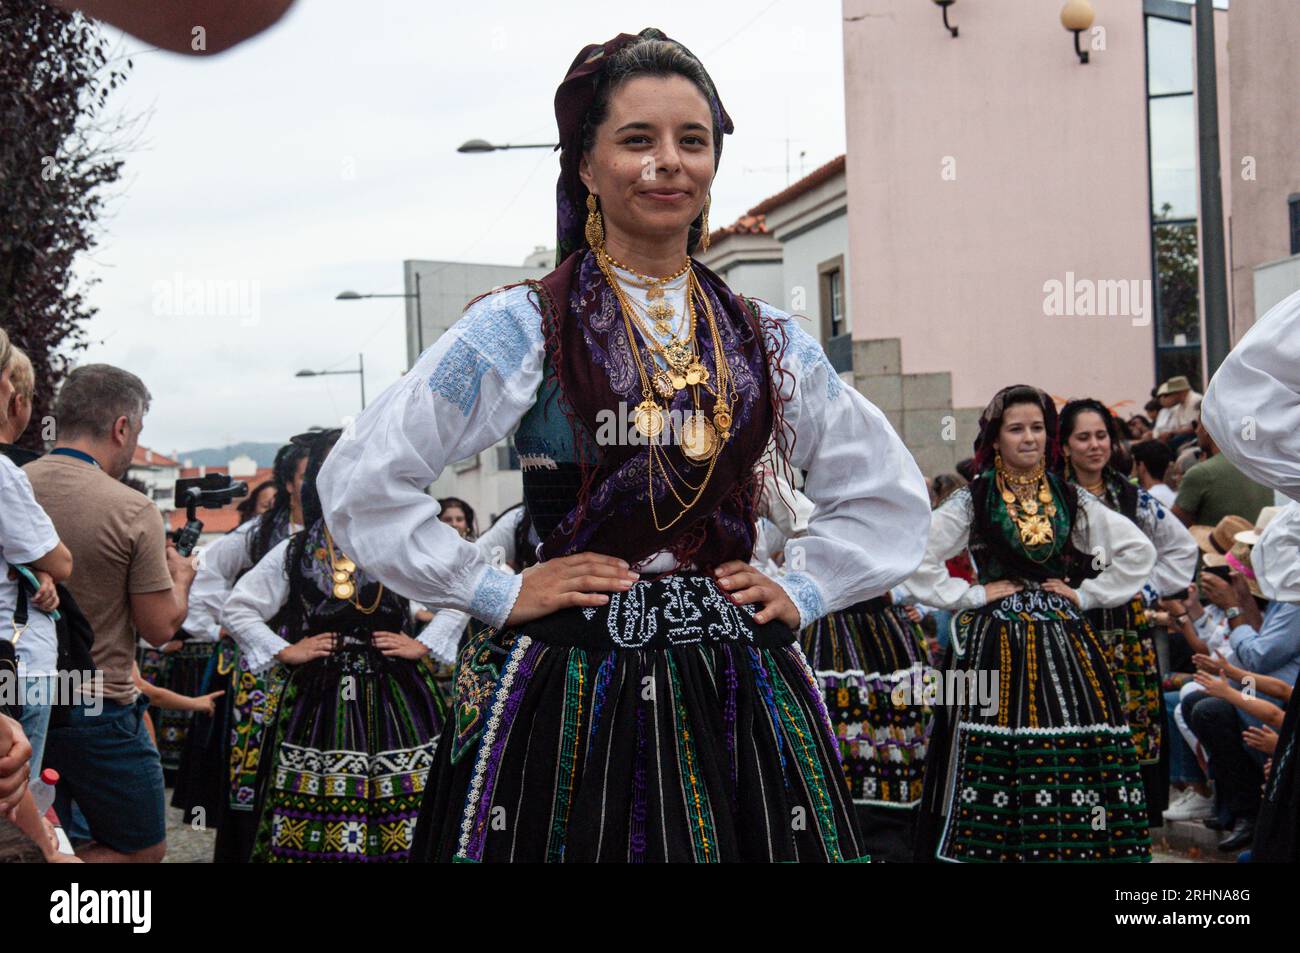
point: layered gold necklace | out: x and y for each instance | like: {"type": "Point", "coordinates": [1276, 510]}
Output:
{"type": "Point", "coordinates": [702, 439]}
{"type": "Point", "coordinates": [342, 570]}
{"type": "Point", "coordinates": [1023, 493]}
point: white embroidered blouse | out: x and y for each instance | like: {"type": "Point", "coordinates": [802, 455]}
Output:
{"type": "Point", "coordinates": [474, 385]}
{"type": "Point", "coordinates": [1127, 554]}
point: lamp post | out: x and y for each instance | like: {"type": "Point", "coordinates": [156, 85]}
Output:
{"type": "Point", "coordinates": [361, 369]}
{"type": "Point", "coordinates": [419, 310]}
{"type": "Point", "coordinates": [482, 145]}
{"type": "Point", "coordinates": [1077, 16]}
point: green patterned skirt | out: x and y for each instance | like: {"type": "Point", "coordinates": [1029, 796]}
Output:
{"type": "Point", "coordinates": [1031, 758]}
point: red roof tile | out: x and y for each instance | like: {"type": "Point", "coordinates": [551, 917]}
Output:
{"type": "Point", "coordinates": [754, 222]}
{"type": "Point", "coordinates": [809, 182]}
{"type": "Point", "coordinates": [144, 457]}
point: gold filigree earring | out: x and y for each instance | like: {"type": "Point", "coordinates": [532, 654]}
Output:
{"type": "Point", "coordinates": [704, 223]}
{"type": "Point", "coordinates": [595, 226]}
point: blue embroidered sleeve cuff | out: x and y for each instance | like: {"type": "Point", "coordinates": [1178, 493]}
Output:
{"type": "Point", "coordinates": [803, 592]}
{"type": "Point", "coordinates": [494, 596]}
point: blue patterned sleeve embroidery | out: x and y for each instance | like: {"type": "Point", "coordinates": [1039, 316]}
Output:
{"type": "Point", "coordinates": [496, 334]}
{"type": "Point", "coordinates": [494, 596]}
{"type": "Point", "coordinates": [806, 352]}
{"type": "Point", "coordinates": [803, 592]}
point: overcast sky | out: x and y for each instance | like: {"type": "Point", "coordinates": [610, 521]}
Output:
{"type": "Point", "coordinates": [320, 155]}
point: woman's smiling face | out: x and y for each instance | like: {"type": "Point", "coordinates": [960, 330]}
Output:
{"type": "Point", "coordinates": [1022, 440]}
{"type": "Point", "coordinates": [652, 162]}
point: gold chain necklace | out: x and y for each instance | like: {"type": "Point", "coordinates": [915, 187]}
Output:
{"type": "Point", "coordinates": [345, 587]}
{"type": "Point", "coordinates": [1018, 493]}
{"type": "Point", "coordinates": [660, 310]}
{"type": "Point", "coordinates": [700, 441]}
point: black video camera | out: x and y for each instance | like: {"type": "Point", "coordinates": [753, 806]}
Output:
{"type": "Point", "coordinates": [211, 492]}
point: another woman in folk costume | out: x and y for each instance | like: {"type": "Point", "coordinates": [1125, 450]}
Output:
{"type": "Point", "coordinates": [640, 695]}
{"type": "Point", "coordinates": [510, 543]}
{"type": "Point", "coordinates": [348, 754]}
{"type": "Point", "coordinates": [1089, 433]}
{"type": "Point", "coordinates": [219, 771]}
{"type": "Point", "coordinates": [859, 656]}
{"type": "Point", "coordinates": [1036, 763]}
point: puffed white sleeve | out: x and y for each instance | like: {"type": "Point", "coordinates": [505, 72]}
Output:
{"type": "Point", "coordinates": [932, 585]}
{"type": "Point", "coordinates": [1126, 555]}
{"type": "Point", "coordinates": [1276, 557]}
{"type": "Point", "coordinates": [1176, 549]}
{"type": "Point", "coordinates": [871, 510]}
{"type": "Point", "coordinates": [463, 395]}
{"type": "Point", "coordinates": [442, 635]}
{"type": "Point", "coordinates": [220, 564]}
{"type": "Point", "coordinates": [257, 597]}
{"type": "Point", "coordinates": [1252, 406]}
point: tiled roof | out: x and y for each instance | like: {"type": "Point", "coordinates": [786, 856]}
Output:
{"type": "Point", "coordinates": [144, 457]}
{"type": "Point", "coordinates": [809, 182]}
{"type": "Point", "coordinates": [754, 222]}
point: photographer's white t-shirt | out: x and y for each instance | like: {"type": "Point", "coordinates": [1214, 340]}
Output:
{"type": "Point", "coordinates": [26, 534]}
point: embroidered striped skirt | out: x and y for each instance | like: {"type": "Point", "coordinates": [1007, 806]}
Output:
{"type": "Point", "coordinates": [664, 726]}
{"type": "Point", "coordinates": [860, 656]}
{"type": "Point", "coordinates": [347, 758]}
{"type": "Point", "coordinates": [202, 779]}
{"type": "Point", "coordinates": [182, 672]}
{"type": "Point", "coordinates": [1031, 758]}
{"type": "Point", "coordinates": [1130, 646]}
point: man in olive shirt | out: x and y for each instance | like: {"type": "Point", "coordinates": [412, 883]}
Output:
{"type": "Point", "coordinates": [128, 580]}
{"type": "Point", "coordinates": [1214, 488]}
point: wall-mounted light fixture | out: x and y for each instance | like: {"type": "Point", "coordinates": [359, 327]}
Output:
{"type": "Point", "coordinates": [1077, 16]}
{"type": "Point", "coordinates": [945, 4]}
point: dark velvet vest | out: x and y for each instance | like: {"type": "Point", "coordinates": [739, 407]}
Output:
{"type": "Point", "coordinates": [587, 493]}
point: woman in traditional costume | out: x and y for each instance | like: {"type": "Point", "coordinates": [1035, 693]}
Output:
{"type": "Point", "coordinates": [219, 768]}
{"type": "Point", "coordinates": [1031, 757]}
{"type": "Point", "coordinates": [348, 754]}
{"type": "Point", "coordinates": [1089, 433]}
{"type": "Point", "coordinates": [639, 694]}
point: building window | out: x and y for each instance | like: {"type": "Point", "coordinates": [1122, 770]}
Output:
{"type": "Point", "coordinates": [1294, 203]}
{"type": "Point", "coordinates": [1171, 132]}
{"type": "Point", "coordinates": [831, 300]}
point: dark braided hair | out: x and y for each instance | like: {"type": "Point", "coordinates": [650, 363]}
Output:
{"type": "Point", "coordinates": [286, 463]}
{"type": "Point", "coordinates": [317, 446]}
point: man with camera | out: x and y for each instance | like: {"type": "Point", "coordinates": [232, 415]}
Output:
{"type": "Point", "coordinates": [128, 580]}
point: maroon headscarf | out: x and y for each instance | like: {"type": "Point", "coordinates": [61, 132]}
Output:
{"type": "Point", "coordinates": [573, 101]}
{"type": "Point", "coordinates": [991, 423]}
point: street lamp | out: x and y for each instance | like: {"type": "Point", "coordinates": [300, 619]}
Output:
{"type": "Point", "coordinates": [482, 145]}
{"type": "Point", "coordinates": [361, 369]}
{"type": "Point", "coordinates": [419, 311]}
{"type": "Point", "coordinates": [1077, 16]}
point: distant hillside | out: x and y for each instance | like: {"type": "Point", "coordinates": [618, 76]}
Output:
{"type": "Point", "coordinates": [262, 453]}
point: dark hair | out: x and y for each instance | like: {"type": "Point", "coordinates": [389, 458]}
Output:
{"type": "Point", "coordinates": [1070, 418]}
{"type": "Point", "coordinates": [94, 395]}
{"type": "Point", "coordinates": [1155, 456]}
{"type": "Point", "coordinates": [652, 55]}
{"type": "Point", "coordinates": [1137, 418]}
{"type": "Point", "coordinates": [465, 508]}
{"type": "Point", "coordinates": [966, 469]}
{"type": "Point", "coordinates": [1153, 406]}
{"type": "Point", "coordinates": [317, 445]}
{"type": "Point", "coordinates": [249, 503]}
{"type": "Point", "coordinates": [994, 414]}
{"type": "Point", "coordinates": [946, 484]}
{"type": "Point", "coordinates": [283, 469]}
